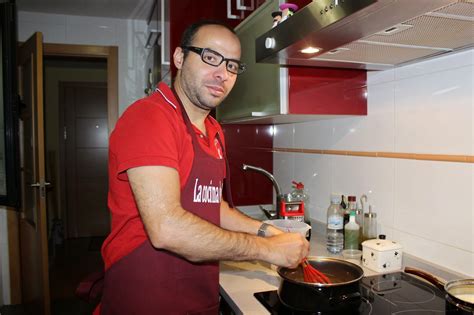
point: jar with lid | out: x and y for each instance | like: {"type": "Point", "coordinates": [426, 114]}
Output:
{"type": "Point", "coordinates": [370, 224]}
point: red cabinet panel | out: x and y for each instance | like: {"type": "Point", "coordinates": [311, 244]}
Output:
{"type": "Point", "coordinates": [327, 91]}
{"type": "Point", "coordinates": [249, 144]}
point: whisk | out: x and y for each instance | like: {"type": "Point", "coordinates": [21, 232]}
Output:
{"type": "Point", "coordinates": [312, 274]}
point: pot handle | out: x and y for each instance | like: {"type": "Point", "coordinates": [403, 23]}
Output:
{"type": "Point", "coordinates": [345, 298]}
{"type": "Point", "coordinates": [427, 276]}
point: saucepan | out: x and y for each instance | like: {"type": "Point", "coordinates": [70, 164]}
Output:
{"type": "Point", "coordinates": [342, 293]}
{"type": "Point", "coordinates": [459, 293]}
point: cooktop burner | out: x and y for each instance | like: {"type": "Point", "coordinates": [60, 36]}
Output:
{"type": "Point", "coordinates": [394, 294]}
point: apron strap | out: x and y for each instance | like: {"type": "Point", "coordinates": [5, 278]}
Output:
{"type": "Point", "coordinates": [196, 146]}
{"type": "Point", "coordinates": [227, 173]}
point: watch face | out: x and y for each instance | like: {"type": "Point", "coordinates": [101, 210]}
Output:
{"type": "Point", "coordinates": [262, 229]}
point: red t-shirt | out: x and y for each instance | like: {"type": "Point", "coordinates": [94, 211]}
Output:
{"type": "Point", "coordinates": [150, 132]}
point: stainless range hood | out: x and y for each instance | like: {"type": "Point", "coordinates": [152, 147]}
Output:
{"type": "Point", "coordinates": [369, 34]}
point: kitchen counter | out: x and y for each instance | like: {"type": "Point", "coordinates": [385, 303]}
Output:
{"type": "Point", "coordinates": [240, 280]}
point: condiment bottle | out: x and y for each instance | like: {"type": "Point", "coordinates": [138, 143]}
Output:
{"type": "Point", "coordinates": [352, 207]}
{"type": "Point", "coordinates": [370, 224]}
{"type": "Point", "coordinates": [343, 203]}
{"type": "Point", "coordinates": [351, 234]}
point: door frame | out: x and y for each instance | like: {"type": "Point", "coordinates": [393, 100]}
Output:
{"type": "Point", "coordinates": [110, 53]}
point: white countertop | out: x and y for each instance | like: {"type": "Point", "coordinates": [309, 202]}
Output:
{"type": "Point", "coordinates": [240, 280]}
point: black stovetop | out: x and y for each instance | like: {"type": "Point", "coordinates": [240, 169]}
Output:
{"type": "Point", "coordinates": [394, 293]}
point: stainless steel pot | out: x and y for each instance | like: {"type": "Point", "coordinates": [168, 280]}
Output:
{"type": "Point", "coordinates": [460, 293]}
{"type": "Point", "coordinates": [342, 293]}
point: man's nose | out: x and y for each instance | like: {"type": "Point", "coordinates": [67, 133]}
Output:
{"type": "Point", "coordinates": [221, 71]}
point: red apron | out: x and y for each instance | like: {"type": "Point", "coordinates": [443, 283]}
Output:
{"type": "Point", "coordinates": [152, 281]}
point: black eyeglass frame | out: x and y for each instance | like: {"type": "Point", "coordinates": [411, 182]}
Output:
{"type": "Point", "coordinates": [201, 51]}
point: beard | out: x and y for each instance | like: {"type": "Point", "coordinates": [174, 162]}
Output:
{"type": "Point", "coordinates": [198, 93]}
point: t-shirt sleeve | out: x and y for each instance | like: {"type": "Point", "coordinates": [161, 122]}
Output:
{"type": "Point", "coordinates": [145, 135]}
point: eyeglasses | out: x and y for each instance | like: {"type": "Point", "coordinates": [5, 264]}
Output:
{"type": "Point", "coordinates": [215, 59]}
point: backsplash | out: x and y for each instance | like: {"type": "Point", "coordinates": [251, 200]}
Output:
{"type": "Point", "coordinates": [423, 108]}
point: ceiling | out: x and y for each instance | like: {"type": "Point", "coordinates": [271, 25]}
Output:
{"type": "Point", "coordinates": [122, 9]}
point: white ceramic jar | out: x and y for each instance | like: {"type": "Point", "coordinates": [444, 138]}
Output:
{"type": "Point", "coordinates": [382, 255]}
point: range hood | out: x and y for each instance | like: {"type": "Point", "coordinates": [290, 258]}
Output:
{"type": "Point", "coordinates": [369, 34]}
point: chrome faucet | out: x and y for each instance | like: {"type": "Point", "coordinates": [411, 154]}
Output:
{"type": "Point", "coordinates": [279, 196]}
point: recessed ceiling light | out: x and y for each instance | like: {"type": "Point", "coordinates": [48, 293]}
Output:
{"type": "Point", "coordinates": [310, 50]}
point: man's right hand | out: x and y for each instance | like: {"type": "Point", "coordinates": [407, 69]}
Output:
{"type": "Point", "coordinates": [286, 249]}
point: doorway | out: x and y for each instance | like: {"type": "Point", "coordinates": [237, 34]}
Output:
{"type": "Point", "coordinates": [77, 145]}
{"type": "Point", "coordinates": [76, 137]}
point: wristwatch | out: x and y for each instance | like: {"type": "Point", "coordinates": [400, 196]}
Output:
{"type": "Point", "coordinates": [262, 229]}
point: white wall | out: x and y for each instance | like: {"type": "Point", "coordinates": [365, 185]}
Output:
{"type": "Point", "coordinates": [128, 35]}
{"type": "Point", "coordinates": [428, 206]}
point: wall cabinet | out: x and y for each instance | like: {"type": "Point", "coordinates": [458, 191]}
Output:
{"type": "Point", "coordinates": [268, 93]}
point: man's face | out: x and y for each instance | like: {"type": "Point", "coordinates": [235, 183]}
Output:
{"type": "Point", "coordinates": [207, 86]}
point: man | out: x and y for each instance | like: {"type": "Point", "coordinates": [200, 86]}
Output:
{"type": "Point", "coordinates": [167, 167]}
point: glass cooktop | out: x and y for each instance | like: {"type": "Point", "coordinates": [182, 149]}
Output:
{"type": "Point", "coordinates": [395, 293]}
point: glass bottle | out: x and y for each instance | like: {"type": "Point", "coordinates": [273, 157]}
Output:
{"type": "Point", "coordinates": [351, 207]}
{"type": "Point", "coordinates": [351, 234]}
{"type": "Point", "coordinates": [343, 203]}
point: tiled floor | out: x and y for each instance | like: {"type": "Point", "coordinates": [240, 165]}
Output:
{"type": "Point", "coordinates": [69, 264]}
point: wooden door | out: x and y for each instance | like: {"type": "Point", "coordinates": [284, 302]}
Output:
{"type": "Point", "coordinates": [33, 220]}
{"type": "Point", "coordinates": [86, 150]}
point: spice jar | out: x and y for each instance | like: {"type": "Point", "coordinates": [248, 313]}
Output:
{"type": "Point", "coordinates": [370, 224]}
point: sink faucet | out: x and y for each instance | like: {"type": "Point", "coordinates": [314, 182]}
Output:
{"type": "Point", "coordinates": [279, 196]}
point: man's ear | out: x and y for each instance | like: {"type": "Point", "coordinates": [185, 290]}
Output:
{"type": "Point", "coordinates": [178, 57]}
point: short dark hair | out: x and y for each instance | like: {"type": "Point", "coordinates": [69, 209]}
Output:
{"type": "Point", "coordinates": [190, 32]}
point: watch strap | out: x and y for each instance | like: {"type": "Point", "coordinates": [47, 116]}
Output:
{"type": "Point", "coordinates": [262, 229]}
